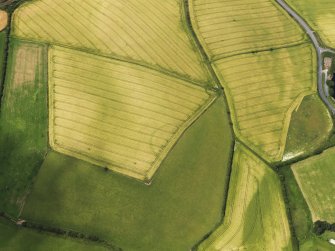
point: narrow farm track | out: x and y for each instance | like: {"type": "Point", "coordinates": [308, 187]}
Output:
{"type": "Point", "coordinates": [318, 47]}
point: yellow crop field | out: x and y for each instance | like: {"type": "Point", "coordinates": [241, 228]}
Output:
{"type": "Point", "coordinates": [263, 89]}
{"type": "Point", "coordinates": [319, 15]}
{"type": "Point", "coordinates": [255, 219]}
{"type": "Point", "coordinates": [149, 32]}
{"type": "Point", "coordinates": [315, 177]}
{"type": "Point", "coordinates": [116, 114]}
{"type": "Point", "coordinates": [228, 27]}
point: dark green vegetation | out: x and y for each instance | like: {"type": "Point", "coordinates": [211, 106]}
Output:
{"type": "Point", "coordinates": [300, 214]}
{"type": "Point", "coordinates": [183, 203]}
{"type": "Point", "coordinates": [23, 125]}
{"type": "Point", "coordinates": [301, 217]}
{"type": "Point", "coordinates": [13, 238]}
{"type": "Point", "coordinates": [310, 127]}
{"type": "Point", "coordinates": [3, 48]}
{"type": "Point", "coordinates": [316, 244]}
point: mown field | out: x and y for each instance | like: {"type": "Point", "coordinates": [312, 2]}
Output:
{"type": "Point", "coordinates": [310, 127]}
{"type": "Point", "coordinates": [149, 32]}
{"type": "Point", "coordinates": [182, 204]}
{"type": "Point", "coordinates": [228, 28]}
{"type": "Point", "coordinates": [315, 177]}
{"type": "Point", "coordinates": [116, 114]}
{"type": "Point", "coordinates": [255, 218]}
{"type": "Point", "coordinates": [263, 89]}
{"type": "Point", "coordinates": [319, 15]}
{"type": "Point", "coordinates": [264, 62]}
{"type": "Point", "coordinates": [23, 123]}
{"type": "Point", "coordinates": [13, 238]}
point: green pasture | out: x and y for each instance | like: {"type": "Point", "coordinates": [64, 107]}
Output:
{"type": "Point", "coordinates": [310, 127]}
{"type": "Point", "coordinates": [23, 134]}
{"type": "Point", "coordinates": [13, 238]}
{"type": "Point", "coordinates": [315, 177]}
{"type": "Point", "coordinates": [183, 203]}
{"type": "Point", "coordinates": [300, 214]}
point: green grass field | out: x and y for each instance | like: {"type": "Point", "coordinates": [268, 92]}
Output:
{"type": "Point", "coordinates": [310, 127]}
{"type": "Point", "coordinates": [255, 219]}
{"type": "Point", "coordinates": [182, 204]}
{"type": "Point", "coordinates": [319, 15]}
{"type": "Point", "coordinates": [13, 238]}
{"type": "Point", "coordinates": [300, 214]}
{"type": "Point", "coordinates": [315, 177]}
{"type": "Point", "coordinates": [23, 123]}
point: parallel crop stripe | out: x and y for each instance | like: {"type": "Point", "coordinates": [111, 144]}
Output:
{"type": "Point", "coordinates": [251, 210]}
{"type": "Point", "coordinates": [261, 89]}
{"type": "Point", "coordinates": [145, 31]}
{"type": "Point", "coordinates": [118, 111]}
{"type": "Point", "coordinates": [227, 28]}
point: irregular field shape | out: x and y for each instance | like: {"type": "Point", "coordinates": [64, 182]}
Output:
{"type": "Point", "coordinates": [319, 15]}
{"type": "Point", "coordinates": [174, 212]}
{"type": "Point", "coordinates": [262, 90]}
{"type": "Point", "coordinates": [118, 114]}
{"type": "Point", "coordinates": [255, 219]}
{"type": "Point", "coordinates": [315, 177]}
{"type": "Point", "coordinates": [150, 32]}
{"type": "Point", "coordinates": [227, 27]}
{"type": "Point", "coordinates": [310, 127]}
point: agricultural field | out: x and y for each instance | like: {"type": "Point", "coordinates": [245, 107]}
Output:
{"type": "Point", "coordinates": [227, 28]}
{"type": "Point", "coordinates": [180, 206]}
{"type": "Point", "coordinates": [14, 238]}
{"type": "Point", "coordinates": [315, 177]}
{"type": "Point", "coordinates": [23, 122]}
{"type": "Point", "coordinates": [255, 219]}
{"type": "Point", "coordinates": [263, 91]}
{"type": "Point", "coordinates": [266, 67]}
{"type": "Point", "coordinates": [319, 15]}
{"type": "Point", "coordinates": [310, 127]}
{"type": "Point", "coordinates": [149, 32]}
{"type": "Point", "coordinates": [117, 114]}
{"type": "Point", "coordinates": [3, 20]}
{"type": "Point", "coordinates": [150, 125]}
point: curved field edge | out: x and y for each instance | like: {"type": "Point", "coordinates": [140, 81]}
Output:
{"type": "Point", "coordinates": [251, 179]}
{"type": "Point", "coordinates": [197, 101]}
{"type": "Point", "coordinates": [265, 48]}
{"type": "Point", "coordinates": [310, 128]}
{"type": "Point", "coordinates": [175, 211]}
{"type": "Point", "coordinates": [312, 12]}
{"type": "Point", "coordinates": [286, 119]}
{"type": "Point", "coordinates": [181, 33]}
{"type": "Point", "coordinates": [315, 177]}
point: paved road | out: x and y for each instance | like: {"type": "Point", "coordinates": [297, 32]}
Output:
{"type": "Point", "coordinates": [317, 46]}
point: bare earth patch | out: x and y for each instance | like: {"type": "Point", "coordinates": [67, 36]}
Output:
{"type": "Point", "coordinates": [3, 19]}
